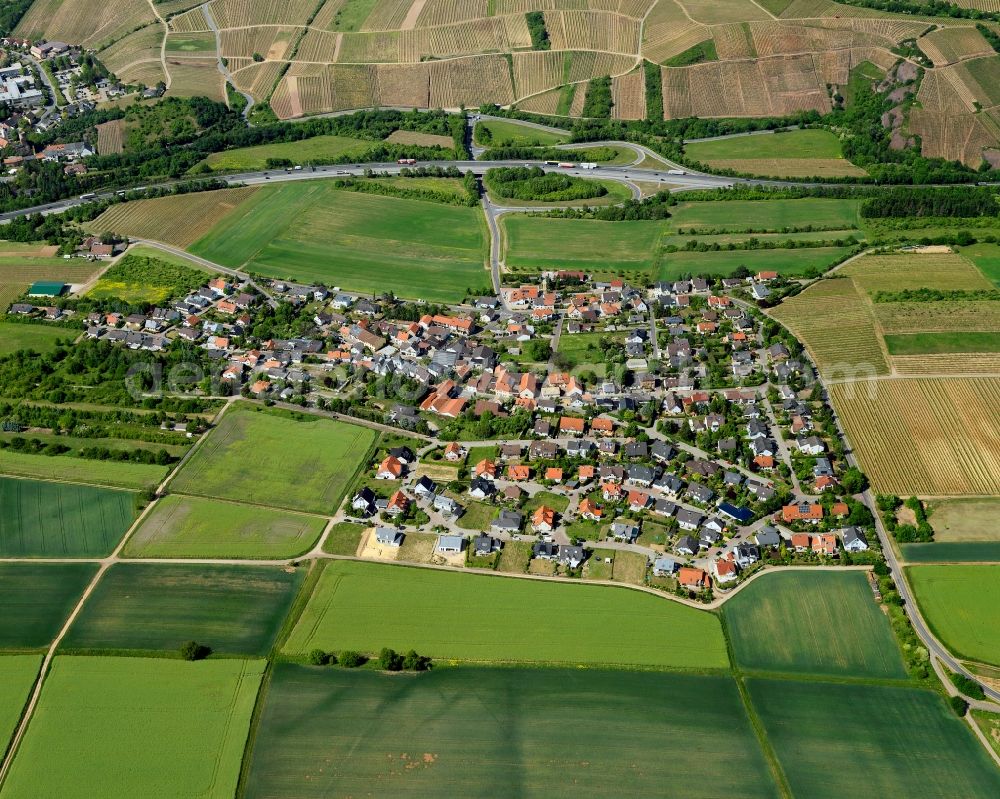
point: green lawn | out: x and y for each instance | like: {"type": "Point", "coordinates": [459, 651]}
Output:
{"type": "Point", "coordinates": [849, 740]}
{"type": "Point", "coordinates": [310, 231]}
{"type": "Point", "coordinates": [987, 258]}
{"type": "Point", "coordinates": [366, 606]}
{"type": "Point", "coordinates": [61, 467]}
{"type": "Point", "coordinates": [344, 538]}
{"type": "Point", "coordinates": [147, 607]}
{"type": "Point", "coordinates": [512, 134]}
{"type": "Point", "coordinates": [315, 149]}
{"type": "Point", "coordinates": [477, 516]}
{"type": "Point", "coordinates": [194, 42]}
{"type": "Point", "coordinates": [961, 604]}
{"type": "Point", "coordinates": [558, 502]}
{"type": "Point", "coordinates": [584, 348]}
{"type": "Point", "coordinates": [537, 244]}
{"type": "Point", "coordinates": [816, 622]}
{"type": "Point", "coordinates": [766, 214]}
{"type": "Point", "coordinates": [936, 343]}
{"type": "Point", "coordinates": [488, 732]}
{"type": "Point", "coordinates": [17, 676]}
{"type": "Point", "coordinates": [193, 527]}
{"type": "Point", "coordinates": [268, 459]}
{"type": "Point", "coordinates": [39, 337]}
{"type": "Point", "coordinates": [787, 144]}
{"type": "Point", "coordinates": [39, 519]}
{"type": "Point", "coordinates": [137, 727]}
{"type": "Point", "coordinates": [37, 598]}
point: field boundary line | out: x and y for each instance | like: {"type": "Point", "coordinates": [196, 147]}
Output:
{"type": "Point", "coordinates": [971, 721]}
{"type": "Point", "coordinates": [163, 42]}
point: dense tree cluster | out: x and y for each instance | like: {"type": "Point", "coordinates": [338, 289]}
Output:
{"type": "Point", "coordinates": [533, 183]}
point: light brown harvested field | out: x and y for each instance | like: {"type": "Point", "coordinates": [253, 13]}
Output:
{"type": "Point", "coordinates": [593, 30]}
{"type": "Point", "coordinates": [942, 91]}
{"type": "Point", "coordinates": [790, 167]}
{"type": "Point", "coordinates": [86, 22]}
{"type": "Point", "coordinates": [190, 77]}
{"type": "Point", "coordinates": [955, 137]}
{"type": "Point", "coordinates": [148, 73]}
{"type": "Point", "coordinates": [109, 137]}
{"type": "Point", "coordinates": [178, 220]}
{"type": "Point", "coordinates": [143, 45]}
{"type": "Point", "coordinates": [894, 30]}
{"type": "Point", "coordinates": [190, 21]}
{"type": "Point", "coordinates": [258, 79]}
{"type": "Point", "coordinates": [930, 437]}
{"type": "Point", "coordinates": [893, 272]}
{"type": "Point", "coordinates": [241, 13]}
{"type": "Point", "coordinates": [948, 45]}
{"type": "Point", "coordinates": [404, 85]}
{"type": "Point", "coordinates": [982, 5]}
{"type": "Point", "coordinates": [544, 103]}
{"type": "Point", "coordinates": [445, 12]}
{"type": "Point", "coordinates": [537, 71]}
{"type": "Point", "coordinates": [780, 38]}
{"type": "Point", "coordinates": [421, 139]}
{"type": "Point", "coordinates": [714, 12]}
{"type": "Point", "coordinates": [734, 41]}
{"type": "Point", "coordinates": [470, 82]}
{"type": "Point", "coordinates": [920, 317]}
{"type": "Point", "coordinates": [630, 8]}
{"type": "Point", "coordinates": [798, 9]}
{"type": "Point", "coordinates": [493, 34]}
{"type": "Point", "coordinates": [579, 98]}
{"type": "Point", "coordinates": [272, 42]}
{"type": "Point", "coordinates": [629, 95]}
{"type": "Point", "coordinates": [836, 324]}
{"type": "Point", "coordinates": [767, 86]}
{"type": "Point", "coordinates": [951, 363]}
{"type": "Point", "coordinates": [585, 65]}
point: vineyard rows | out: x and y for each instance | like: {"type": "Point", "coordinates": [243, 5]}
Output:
{"type": "Point", "coordinates": [249, 13]}
{"type": "Point", "coordinates": [629, 95]}
{"type": "Point", "coordinates": [944, 271]}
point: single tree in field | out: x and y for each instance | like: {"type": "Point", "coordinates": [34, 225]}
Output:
{"type": "Point", "coordinates": [192, 650]}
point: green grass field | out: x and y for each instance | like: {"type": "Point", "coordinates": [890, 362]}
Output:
{"type": "Point", "coordinates": [194, 527]}
{"type": "Point", "coordinates": [839, 740]}
{"type": "Point", "coordinates": [936, 343]}
{"type": "Point", "coordinates": [137, 727]}
{"type": "Point", "coordinates": [812, 623]}
{"type": "Point", "coordinates": [489, 732]}
{"type": "Point", "coordinates": [147, 607]}
{"type": "Point", "coordinates": [986, 257]}
{"type": "Point", "coordinates": [366, 606]}
{"type": "Point", "coordinates": [583, 349]}
{"type": "Point", "coordinates": [37, 598]}
{"type": "Point", "coordinates": [795, 262]}
{"type": "Point", "coordinates": [267, 459]}
{"type": "Point", "coordinates": [512, 134]}
{"type": "Point", "coordinates": [17, 676]}
{"type": "Point", "coordinates": [758, 215]}
{"type": "Point", "coordinates": [310, 231]}
{"type": "Point", "coordinates": [148, 279]}
{"type": "Point", "coordinates": [952, 552]}
{"type": "Point", "coordinates": [114, 474]}
{"type": "Point", "coordinates": [39, 337]}
{"type": "Point", "coordinates": [787, 144]}
{"type": "Point", "coordinates": [537, 244]}
{"type": "Point", "coordinates": [39, 519]}
{"type": "Point", "coordinates": [344, 538]}
{"type": "Point", "coordinates": [961, 604]}
{"type": "Point", "coordinates": [317, 148]}
{"type": "Point", "coordinates": [198, 42]}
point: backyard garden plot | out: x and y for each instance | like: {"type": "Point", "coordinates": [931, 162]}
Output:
{"type": "Point", "coordinates": [182, 725]}
{"type": "Point", "coordinates": [179, 220]}
{"type": "Point", "coordinates": [311, 231]}
{"type": "Point", "coordinates": [37, 599]}
{"type": "Point", "coordinates": [39, 519]}
{"type": "Point", "coordinates": [926, 436]}
{"type": "Point", "coordinates": [191, 527]}
{"type": "Point", "coordinates": [115, 474]}
{"type": "Point", "coordinates": [961, 604]}
{"type": "Point", "coordinates": [267, 459]}
{"type": "Point", "coordinates": [835, 323]}
{"type": "Point", "coordinates": [90, 23]}
{"type": "Point", "coordinates": [812, 623]}
{"type": "Point", "coordinates": [17, 676]}
{"type": "Point", "coordinates": [355, 607]}
{"type": "Point", "coordinates": [158, 607]}
{"type": "Point", "coordinates": [836, 740]}
{"type": "Point", "coordinates": [502, 732]}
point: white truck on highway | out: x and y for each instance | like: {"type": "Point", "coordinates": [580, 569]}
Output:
{"type": "Point", "coordinates": [588, 165]}
{"type": "Point", "coordinates": [676, 172]}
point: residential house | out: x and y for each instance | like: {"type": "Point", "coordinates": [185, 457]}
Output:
{"type": "Point", "coordinates": [450, 544]}
{"type": "Point", "coordinates": [389, 537]}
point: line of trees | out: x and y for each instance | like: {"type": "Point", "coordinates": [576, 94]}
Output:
{"type": "Point", "coordinates": [536, 29]}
